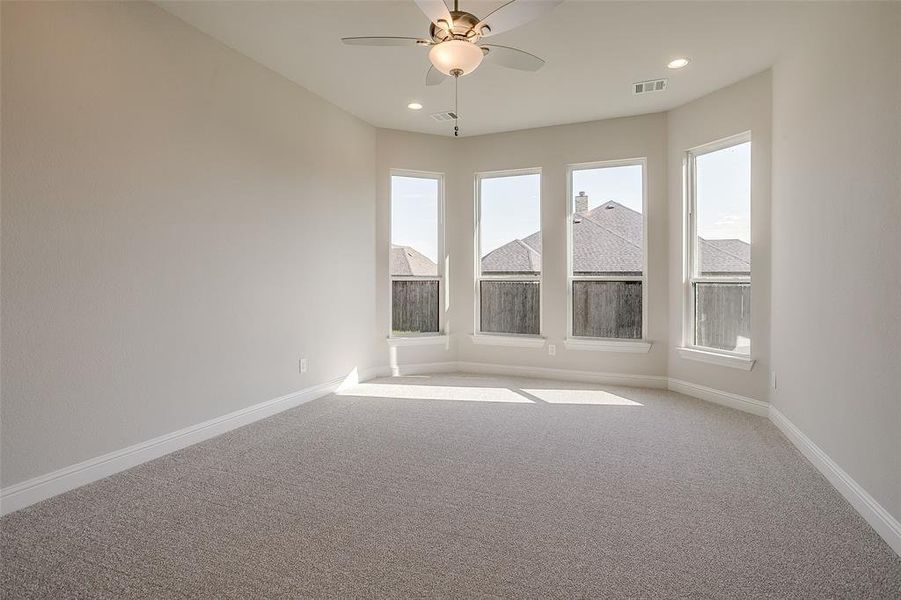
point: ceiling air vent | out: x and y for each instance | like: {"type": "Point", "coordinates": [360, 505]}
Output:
{"type": "Point", "coordinates": [444, 116]}
{"type": "Point", "coordinates": [646, 87]}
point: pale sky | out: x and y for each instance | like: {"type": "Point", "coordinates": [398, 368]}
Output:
{"type": "Point", "coordinates": [724, 193]}
{"type": "Point", "coordinates": [621, 184]}
{"type": "Point", "coordinates": [510, 209]}
{"type": "Point", "coordinates": [414, 214]}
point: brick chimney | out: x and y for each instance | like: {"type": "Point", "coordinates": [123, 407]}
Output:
{"type": "Point", "coordinates": [581, 203]}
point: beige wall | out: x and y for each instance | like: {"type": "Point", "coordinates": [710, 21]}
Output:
{"type": "Point", "coordinates": [836, 239]}
{"type": "Point", "coordinates": [410, 152]}
{"type": "Point", "coordinates": [551, 148]}
{"type": "Point", "coordinates": [744, 106]}
{"type": "Point", "coordinates": [172, 217]}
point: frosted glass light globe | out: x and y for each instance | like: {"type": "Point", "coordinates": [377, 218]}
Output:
{"type": "Point", "coordinates": [455, 55]}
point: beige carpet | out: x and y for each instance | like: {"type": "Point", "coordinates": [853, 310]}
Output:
{"type": "Point", "coordinates": [462, 486]}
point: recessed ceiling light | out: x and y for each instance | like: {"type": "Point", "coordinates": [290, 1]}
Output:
{"type": "Point", "coordinates": [414, 106]}
{"type": "Point", "coordinates": [677, 63]}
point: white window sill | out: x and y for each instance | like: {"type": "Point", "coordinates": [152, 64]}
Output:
{"type": "Point", "coordinates": [593, 345]}
{"type": "Point", "coordinates": [438, 339]}
{"type": "Point", "coordinates": [716, 358]}
{"type": "Point", "coordinates": [518, 341]}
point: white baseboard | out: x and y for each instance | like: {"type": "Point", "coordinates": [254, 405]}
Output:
{"type": "Point", "coordinates": [650, 381]}
{"type": "Point", "coordinates": [26, 493]}
{"type": "Point", "coordinates": [421, 368]}
{"type": "Point", "coordinates": [756, 407]}
{"type": "Point", "coordinates": [879, 519]}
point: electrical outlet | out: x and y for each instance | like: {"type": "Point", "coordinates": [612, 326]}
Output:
{"type": "Point", "coordinates": [552, 349]}
{"type": "Point", "coordinates": [303, 365]}
{"type": "Point", "coordinates": [773, 379]}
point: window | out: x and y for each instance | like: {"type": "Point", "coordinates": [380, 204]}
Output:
{"type": "Point", "coordinates": [718, 305]}
{"type": "Point", "coordinates": [508, 251]}
{"type": "Point", "coordinates": [416, 246]}
{"type": "Point", "coordinates": [606, 250]}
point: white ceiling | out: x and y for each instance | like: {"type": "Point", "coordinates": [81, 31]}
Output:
{"type": "Point", "coordinates": [594, 52]}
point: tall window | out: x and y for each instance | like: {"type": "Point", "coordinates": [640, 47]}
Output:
{"type": "Point", "coordinates": [718, 314]}
{"type": "Point", "coordinates": [605, 226]}
{"type": "Point", "coordinates": [416, 250]}
{"type": "Point", "coordinates": [508, 273]}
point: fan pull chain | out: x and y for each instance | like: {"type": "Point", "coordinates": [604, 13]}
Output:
{"type": "Point", "coordinates": [456, 104]}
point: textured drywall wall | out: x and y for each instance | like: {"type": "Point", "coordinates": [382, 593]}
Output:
{"type": "Point", "coordinates": [406, 151]}
{"type": "Point", "coordinates": [551, 148]}
{"type": "Point", "coordinates": [744, 106]}
{"type": "Point", "coordinates": [179, 226]}
{"type": "Point", "coordinates": [836, 240]}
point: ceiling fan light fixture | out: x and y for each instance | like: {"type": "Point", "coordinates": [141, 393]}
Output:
{"type": "Point", "coordinates": [456, 56]}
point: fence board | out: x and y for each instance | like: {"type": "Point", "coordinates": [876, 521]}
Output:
{"type": "Point", "coordinates": [722, 314]}
{"type": "Point", "coordinates": [607, 309]}
{"type": "Point", "coordinates": [510, 307]}
{"type": "Point", "coordinates": [414, 306]}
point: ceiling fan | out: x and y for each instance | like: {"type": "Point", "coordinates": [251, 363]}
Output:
{"type": "Point", "coordinates": [454, 38]}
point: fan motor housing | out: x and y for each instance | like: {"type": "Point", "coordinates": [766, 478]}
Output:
{"type": "Point", "coordinates": [464, 23]}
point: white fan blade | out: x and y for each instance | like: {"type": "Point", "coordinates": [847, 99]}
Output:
{"type": "Point", "coordinates": [434, 77]}
{"type": "Point", "coordinates": [512, 58]}
{"type": "Point", "coordinates": [513, 14]}
{"type": "Point", "coordinates": [435, 10]}
{"type": "Point", "coordinates": [384, 41]}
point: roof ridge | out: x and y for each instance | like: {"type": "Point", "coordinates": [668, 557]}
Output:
{"type": "Point", "coordinates": [602, 226]}
{"type": "Point", "coordinates": [523, 242]}
{"type": "Point", "coordinates": [530, 248]}
{"type": "Point", "coordinates": [724, 251]}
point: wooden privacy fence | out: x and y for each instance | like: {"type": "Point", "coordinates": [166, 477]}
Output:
{"type": "Point", "coordinates": [607, 309]}
{"type": "Point", "coordinates": [414, 306]}
{"type": "Point", "coordinates": [602, 309]}
{"type": "Point", "coordinates": [510, 307]}
{"type": "Point", "coordinates": [722, 314]}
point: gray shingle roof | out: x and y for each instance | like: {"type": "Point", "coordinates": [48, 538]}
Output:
{"type": "Point", "coordinates": [729, 256]}
{"type": "Point", "coordinates": [608, 240]}
{"type": "Point", "coordinates": [408, 262]}
{"type": "Point", "coordinates": [516, 256]}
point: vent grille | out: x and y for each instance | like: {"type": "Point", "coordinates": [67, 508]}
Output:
{"type": "Point", "coordinates": [444, 116]}
{"type": "Point", "coordinates": [646, 87]}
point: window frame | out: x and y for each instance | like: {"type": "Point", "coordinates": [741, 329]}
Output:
{"type": "Point", "coordinates": [690, 273]}
{"type": "Point", "coordinates": [440, 278]}
{"type": "Point", "coordinates": [527, 339]}
{"type": "Point", "coordinates": [596, 343]}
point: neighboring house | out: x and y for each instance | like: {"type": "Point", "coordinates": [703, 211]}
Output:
{"type": "Point", "coordinates": [607, 240]}
{"type": "Point", "coordinates": [725, 257]}
{"type": "Point", "coordinates": [408, 262]}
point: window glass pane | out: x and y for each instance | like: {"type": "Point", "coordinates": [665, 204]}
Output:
{"type": "Point", "coordinates": [414, 306]}
{"type": "Point", "coordinates": [414, 226]}
{"type": "Point", "coordinates": [607, 229]}
{"type": "Point", "coordinates": [723, 211]}
{"type": "Point", "coordinates": [510, 225]}
{"type": "Point", "coordinates": [414, 255]}
{"type": "Point", "coordinates": [510, 307]}
{"type": "Point", "coordinates": [607, 309]}
{"type": "Point", "coordinates": [723, 316]}
{"type": "Point", "coordinates": [607, 241]}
